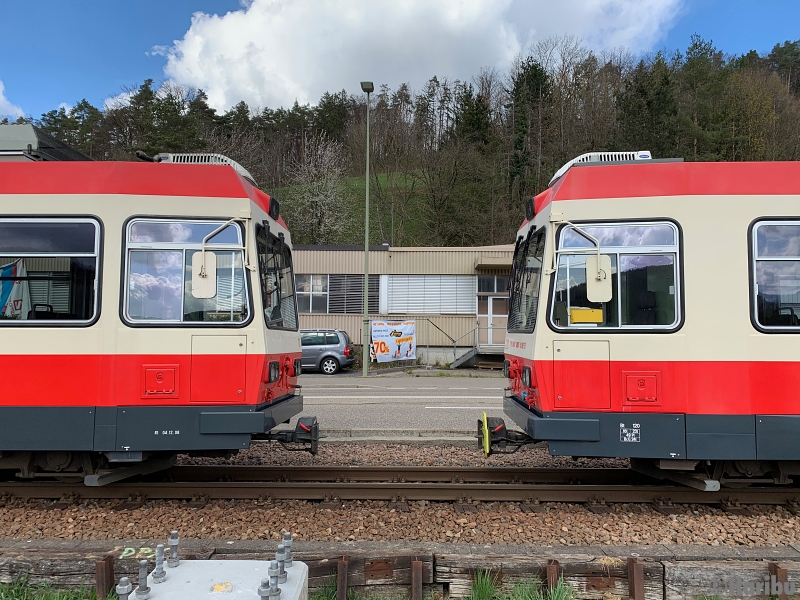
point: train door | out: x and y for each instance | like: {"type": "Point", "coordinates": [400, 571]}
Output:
{"type": "Point", "coordinates": [218, 368]}
{"type": "Point", "coordinates": [581, 374]}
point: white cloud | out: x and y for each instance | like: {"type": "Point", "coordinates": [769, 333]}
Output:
{"type": "Point", "coordinates": [273, 52]}
{"type": "Point", "coordinates": [6, 108]}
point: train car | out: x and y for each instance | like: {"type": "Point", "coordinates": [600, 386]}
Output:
{"type": "Point", "coordinates": [146, 309]}
{"type": "Point", "coordinates": [655, 314]}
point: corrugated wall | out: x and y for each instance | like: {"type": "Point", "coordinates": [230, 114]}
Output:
{"type": "Point", "coordinates": [399, 261]}
{"type": "Point", "coordinates": [427, 334]}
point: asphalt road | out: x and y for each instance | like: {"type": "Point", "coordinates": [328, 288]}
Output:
{"type": "Point", "coordinates": [401, 402]}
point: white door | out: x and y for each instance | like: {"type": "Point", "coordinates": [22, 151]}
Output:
{"type": "Point", "coordinates": [492, 319]}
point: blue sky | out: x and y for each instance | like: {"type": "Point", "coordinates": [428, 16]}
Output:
{"type": "Point", "coordinates": [270, 53]}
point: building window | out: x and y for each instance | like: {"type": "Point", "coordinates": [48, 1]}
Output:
{"type": "Point", "coordinates": [431, 294]}
{"type": "Point", "coordinates": [336, 294]}
{"type": "Point", "coordinates": [776, 257]}
{"type": "Point", "coordinates": [159, 273]}
{"type": "Point", "coordinates": [492, 284]}
{"type": "Point", "coordinates": [48, 271]}
{"type": "Point", "coordinates": [312, 293]}
{"type": "Point", "coordinates": [644, 258]}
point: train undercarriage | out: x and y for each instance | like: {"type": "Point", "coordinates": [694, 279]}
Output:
{"type": "Point", "coordinates": [102, 468]}
{"type": "Point", "coordinates": [706, 475]}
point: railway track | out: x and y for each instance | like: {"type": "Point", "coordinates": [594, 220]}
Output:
{"type": "Point", "coordinates": [597, 488]}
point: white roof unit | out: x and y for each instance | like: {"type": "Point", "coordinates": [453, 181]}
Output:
{"type": "Point", "coordinates": [199, 158]}
{"type": "Point", "coordinates": [604, 157]}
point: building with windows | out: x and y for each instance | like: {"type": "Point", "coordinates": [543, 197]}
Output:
{"type": "Point", "coordinates": [458, 296]}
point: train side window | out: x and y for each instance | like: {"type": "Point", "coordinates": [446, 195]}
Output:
{"type": "Point", "coordinates": [159, 273]}
{"type": "Point", "coordinates": [645, 294]}
{"type": "Point", "coordinates": [526, 272]}
{"type": "Point", "coordinates": [48, 271]}
{"type": "Point", "coordinates": [776, 270]}
{"type": "Point", "coordinates": [277, 280]}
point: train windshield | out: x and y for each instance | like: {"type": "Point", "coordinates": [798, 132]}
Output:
{"type": "Point", "coordinates": [159, 273]}
{"type": "Point", "coordinates": [644, 258]}
{"type": "Point", "coordinates": [277, 280]}
{"type": "Point", "coordinates": [48, 271]}
{"type": "Point", "coordinates": [525, 278]}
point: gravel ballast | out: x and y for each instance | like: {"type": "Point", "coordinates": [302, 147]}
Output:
{"type": "Point", "coordinates": [490, 523]}
{"type": "Point", "coordinates": [396, 454]}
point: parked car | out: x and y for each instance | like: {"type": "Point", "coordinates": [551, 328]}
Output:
{"type": "Point", "coordinates": [326, 350]}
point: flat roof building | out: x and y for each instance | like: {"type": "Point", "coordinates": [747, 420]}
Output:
{"type": "Point", "coordinates": [458, 296]}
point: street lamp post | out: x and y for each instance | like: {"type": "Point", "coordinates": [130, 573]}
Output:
{"type": "Point", "coordinates": [366, 86]}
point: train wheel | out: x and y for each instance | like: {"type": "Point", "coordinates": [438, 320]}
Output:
{"type": "Point", "coordinates": [486, 445]}
{"type": "Point", "coordinates": [329, 366]}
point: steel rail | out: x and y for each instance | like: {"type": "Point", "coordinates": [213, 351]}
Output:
{"type": "Point", "coordinates": [437, 492]}
{"type": "Point", "coordinates": [443, 484]}
{"type": "Point", "coordinates": [398, 474]}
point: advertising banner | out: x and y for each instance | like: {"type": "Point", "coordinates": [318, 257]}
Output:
{"type": "Point", "coordinates": [394, 340]}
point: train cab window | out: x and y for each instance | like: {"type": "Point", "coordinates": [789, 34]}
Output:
{"type": "Point", "coordinates": [644, 281]}
{"type": "Point", "coordinates": [526, 272]}
{"type": "Point", "coordinates": [48, 271]}
{"type": "Point", "coordinates": [277, 280]}
{"type": "Point", "coordinates": [159, 273]}
{"type": "Point", "coordinates": [776, 254]}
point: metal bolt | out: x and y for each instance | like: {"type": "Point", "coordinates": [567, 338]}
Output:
{"type": "Point", "coordinates": [280, 556]}
{"type": "Point", "coordinates": [263, 590]}
{"type": "Point", "coordinates": [142, 591]}
{"type": "Point", "coordinates": [124, 588]}
{"type": "Point", "coordinates": [275, 594]}
{"type": "Point", "coordinates": [159, 575]}
{"type": "Point", "coordinates": [287, 545]}
{"type": "Point", "coordinates": [173, 542]}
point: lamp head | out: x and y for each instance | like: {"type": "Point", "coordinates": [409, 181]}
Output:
{"type": "Point", "coordinates": [366, 86]}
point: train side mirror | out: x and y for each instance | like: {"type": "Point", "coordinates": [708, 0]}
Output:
{"type": "Point", "coordinates": [204, 277]}
{"type": "Point", "coordinates": [598, 278]}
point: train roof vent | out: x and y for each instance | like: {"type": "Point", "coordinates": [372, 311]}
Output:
{"type": "Point", "coordinates": [604, 157]}
{"type": "Point", "coordinates": [200, 158]}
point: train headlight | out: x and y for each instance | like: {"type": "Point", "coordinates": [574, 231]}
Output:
{"type": "Point", "coordinates": [298, 369]}
{"type": "Point", "coordinates": [506, 365]}
{"type": "Point", "coordinates": [274, 371]}
{"type": "Point", "coordinates": [526, 376]}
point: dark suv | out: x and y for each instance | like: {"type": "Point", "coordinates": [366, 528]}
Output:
{"type": "Point", "coordinates": [326, 350]}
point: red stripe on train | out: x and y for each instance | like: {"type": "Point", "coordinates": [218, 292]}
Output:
{"type": "Point", "coordinates": [692, 387]}
{"type": "Point", "coordinates": [136, 379]}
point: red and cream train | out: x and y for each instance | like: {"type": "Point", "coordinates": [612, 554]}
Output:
{"type": "Point", "coordinates": [145, 310]}
{"type": "Point", "coordinates": [655, 314]}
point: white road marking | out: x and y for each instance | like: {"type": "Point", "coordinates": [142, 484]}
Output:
{"type": "Point", "coordinates": [457, 388]}
{"type": "Point", "coordinates": [468, 407]}
{"type": "Point", "coordinates": [430, 388]}
{"type": "Point", "coordinates": [394, 388]}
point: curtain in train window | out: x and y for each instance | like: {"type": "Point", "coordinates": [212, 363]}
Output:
{"type": "Point", "coordinates": [48, 270]}
{"type": "Point", "coordinates": [277, 280]}
{"type": "Point", "coordinates": [643, 277]}
{"type": "Point", "coordinates": [776, 254]}
{"type": "Point", "coordinates": [159, 273]}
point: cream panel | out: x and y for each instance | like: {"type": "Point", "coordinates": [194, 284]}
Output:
{"type": "Point", "coordinates": [716, 284]}
{"type": "Point", "coordinates": [51, 340]}
{"type": "Point", "coordinates": [580, 350]}
{"type": "Point", "coordinates": [219, 344]}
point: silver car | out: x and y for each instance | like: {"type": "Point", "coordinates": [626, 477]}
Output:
{"type": "Point", "coordinates": [326, 350]}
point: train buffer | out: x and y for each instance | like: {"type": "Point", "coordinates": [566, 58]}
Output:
{"type": "Point", "coordinates": [494, 437]}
